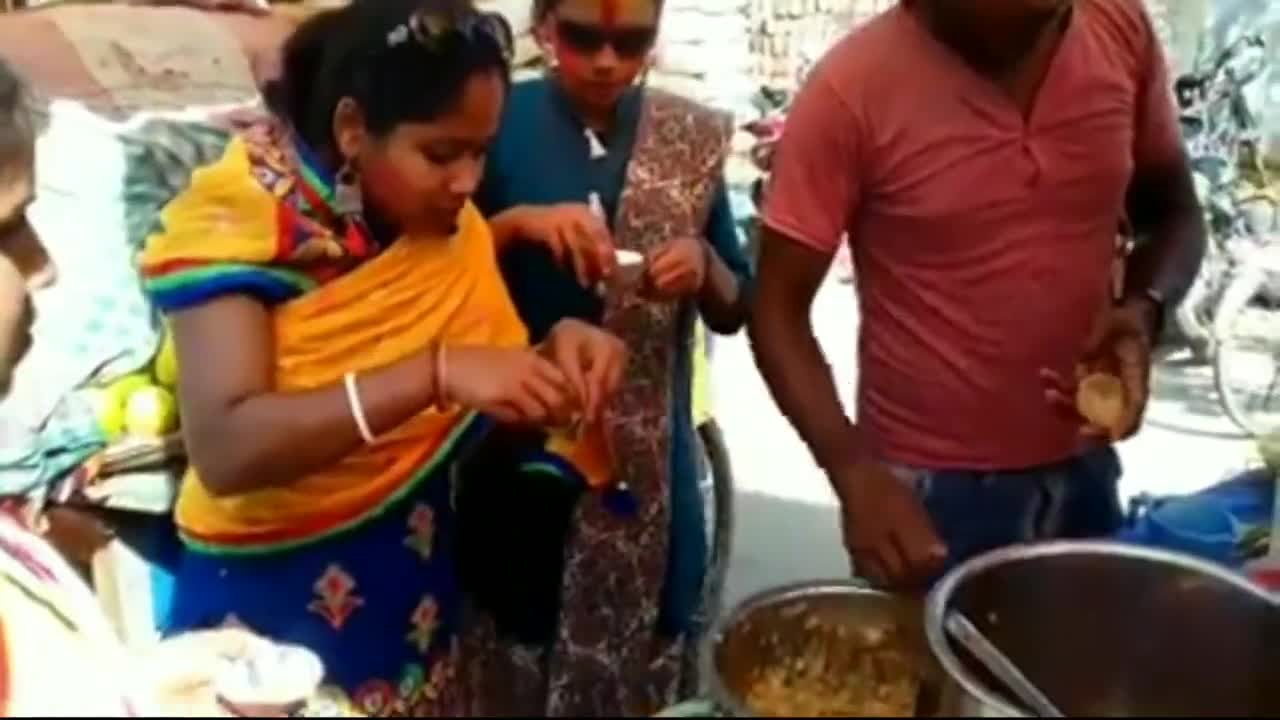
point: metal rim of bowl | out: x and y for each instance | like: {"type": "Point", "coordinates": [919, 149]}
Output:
{"type": "Point", "coordinates": [780, 595]}
{"type": "Point", "coordinates": [938, 598]}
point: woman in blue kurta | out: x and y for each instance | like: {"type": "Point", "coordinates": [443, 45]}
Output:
{"type": "Point", "coordinates": [587, 161]}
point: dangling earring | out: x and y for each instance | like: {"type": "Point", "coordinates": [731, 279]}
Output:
{"type": "Point", "coordinates": [347, 199]}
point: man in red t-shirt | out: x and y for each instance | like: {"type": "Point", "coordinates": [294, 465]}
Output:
{"type": "Point", "coordinates": [979, 156]}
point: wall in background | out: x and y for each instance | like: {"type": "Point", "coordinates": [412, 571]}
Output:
{"type": "Point", "coordinates": [719, 51]}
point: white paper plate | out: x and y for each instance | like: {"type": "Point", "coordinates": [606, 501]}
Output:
{"type": "Point", "coordinates": [271, 676]}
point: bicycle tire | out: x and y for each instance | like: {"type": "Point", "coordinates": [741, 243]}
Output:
{"type": "Point", "coordinates": [1235, 300]}
{"type": "Point", "coordinates": [716, 453]}
{"type": "Point", "coordinates": [723, 489]}
{"type": "Point", "coordinates": [1192, 329]}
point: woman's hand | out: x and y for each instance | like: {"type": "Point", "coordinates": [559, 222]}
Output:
{"type": "Point", "coordinates": [575, 235]}
{"type": "Point", "coordinates": [677, 270]}
{"type": "Point", "coordinates": [515, 386]}
{"type": "Point", "coordinates": [593, 361]}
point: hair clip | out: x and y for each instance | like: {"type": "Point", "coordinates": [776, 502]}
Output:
{"type": "Point", "coordinates": [398, 36]}
{"type": "Point", "coordinates": [427, 26]}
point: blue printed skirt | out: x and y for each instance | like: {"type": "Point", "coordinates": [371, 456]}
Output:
{"type": "Point", "coordinates": [378, 603]}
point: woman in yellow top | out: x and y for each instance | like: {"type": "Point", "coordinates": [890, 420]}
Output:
{"type": "Point", "coordinates": [344, 333]}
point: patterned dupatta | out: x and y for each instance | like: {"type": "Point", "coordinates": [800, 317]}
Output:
{"type": "Point", "coordinates": [616, 564]}
{"type": "Point", "coordinates": [608, 659]}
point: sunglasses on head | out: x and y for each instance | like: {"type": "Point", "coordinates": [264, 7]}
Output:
{"type": "Point", "coordinates": [627, 42]}
{"type": "Point", "coordinates": [430, 29]}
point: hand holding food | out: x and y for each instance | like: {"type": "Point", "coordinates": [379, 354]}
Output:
{"type": "Point", "coordinates": [1100, 400]}
{"type": "Point", "coordinates": [678, 269]}
{"type": "Point", "coordinates": [629, 269]}
{"type": "Point", "coordinates": [575, 235]}
{"type": "Point", "coordinates": [515, 385]}
{"type": "Point", "coordinates": [593, 361]}
{"type": "Point", "coordinates": [1108, 395]}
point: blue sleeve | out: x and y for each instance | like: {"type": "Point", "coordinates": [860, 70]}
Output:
{"type": "Point", "coordinates": [722, 233]}
{"type": "Point", "coordinates": [488, 196]}
{"type": "Point", "coordinates": [494, 193]}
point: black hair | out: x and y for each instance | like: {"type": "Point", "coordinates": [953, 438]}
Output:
{"type": "Point", "coordinates": [542, 8]}
{"type": "Point", "coordinates": [399, 60]}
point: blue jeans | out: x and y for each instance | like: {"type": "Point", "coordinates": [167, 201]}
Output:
{"type": "Point", "coordinates": [978, 511]}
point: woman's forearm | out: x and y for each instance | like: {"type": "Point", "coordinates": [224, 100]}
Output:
{"type": "Point", "coordinates": [506, 227]}
{"type": "Point", "coordinates": [243, 433]}
{"type": "Point", "coordinates": [721, 301]}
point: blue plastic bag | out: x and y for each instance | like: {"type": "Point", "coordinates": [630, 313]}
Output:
{"type": "Point", "coordinates": [1213, 524]}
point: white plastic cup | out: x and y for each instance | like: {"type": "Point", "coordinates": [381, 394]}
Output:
{"type": "Point", "coordinates": [629, 270]}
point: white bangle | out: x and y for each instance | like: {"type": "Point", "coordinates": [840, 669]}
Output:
{"type": "Point", "coordinates": [357, 408]}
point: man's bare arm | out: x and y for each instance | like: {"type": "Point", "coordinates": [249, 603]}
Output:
{"type": "Point", "coordinates": [1169, 221]}
{"type": "Point", "coordinates": [788, 354]}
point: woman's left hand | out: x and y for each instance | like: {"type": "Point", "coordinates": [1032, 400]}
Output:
{"type": "Point", "coordinates": [676, 270]}
{"type": "Point", "coordinates": [591, 358]}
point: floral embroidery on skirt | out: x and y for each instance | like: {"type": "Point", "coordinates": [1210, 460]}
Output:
{"type": "Point", "coordinates": [380, 607]}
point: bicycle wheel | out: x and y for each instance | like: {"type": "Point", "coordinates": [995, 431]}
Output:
{"type": "Point", "coordinates": [1193, 317]}
{"type": "Point", "coordinates": [1246, 367]}
{"type": "Point", "coordinates": [716, 456]}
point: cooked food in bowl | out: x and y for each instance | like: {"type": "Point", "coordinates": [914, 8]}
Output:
{"type": "Point", "coordinates": [838, 674]}
{"type": "Point", "coordinates": [823, 648]}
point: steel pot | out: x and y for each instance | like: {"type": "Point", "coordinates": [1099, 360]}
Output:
{"type": "Point", "coordinates": [1112, 630]}
{"type": "Point", "coordinates": [775, 624]}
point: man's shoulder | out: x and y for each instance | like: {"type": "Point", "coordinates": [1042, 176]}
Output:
{"type": "Point", "coordinates": [863, 52]}
{"type": "Point", "coordinates": [1127, 15]}
{"type": "Point", "coordinates": [1122, 26]}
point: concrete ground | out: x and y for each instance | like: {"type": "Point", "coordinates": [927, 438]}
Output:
{"type": "Point", "coordinates": [786, 525]}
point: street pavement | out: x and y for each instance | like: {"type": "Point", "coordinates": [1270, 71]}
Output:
{"type": "Point", "coordinates": [786, 525]}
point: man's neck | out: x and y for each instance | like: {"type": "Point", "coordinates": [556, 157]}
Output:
{"type": "Point", "coordinates": [1011, 66]}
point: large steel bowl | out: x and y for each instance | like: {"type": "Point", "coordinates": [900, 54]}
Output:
{"type": "Point", "coordinates": [1112, 630]}
{"type": "Point", "coordinates": [773, 626]}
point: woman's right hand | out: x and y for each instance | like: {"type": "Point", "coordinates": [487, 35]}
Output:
{"type": "Point", "coordinates": [575, 235]}
{"type": "Point", "coordinates": [513, 385]}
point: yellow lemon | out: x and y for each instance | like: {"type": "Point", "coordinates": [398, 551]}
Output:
{"type": "Point", "coordinates": [151, 412]}
{"type": "Point", "coordinates": [108, 403]}
{"type": "Point", "coordinates": [166, 364]}
{"type": "Point", "coordinates": [107, 411]}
